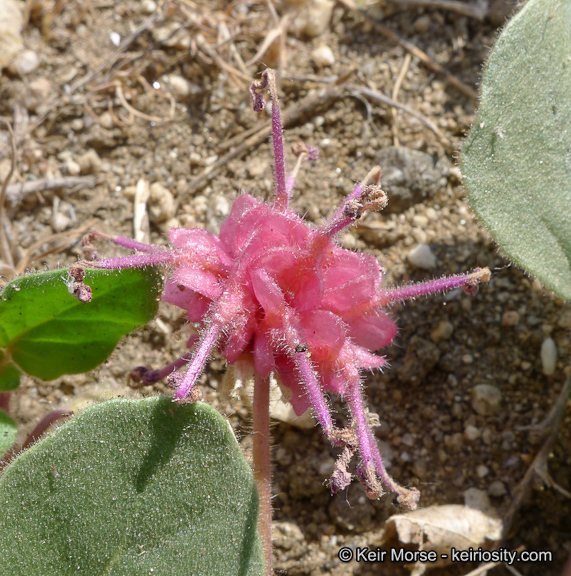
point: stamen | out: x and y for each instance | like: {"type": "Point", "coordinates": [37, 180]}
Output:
{"type": "Point", "coordinates": [128, 242]}
{"type": "Point", "coordinates": [136, 261]}
{"type": "Point", "coordinates": [364, 198]}
{"type": "Point", "coordinates": [314, 392]}
{"type": "Point", "coordinates": [464, 280]}
{"type": "Point", "coordinates": [199, 359]}
{"type": "Point", "coordinates": [269, 81]}
{"type": "Point", "coordinates": [145, 376]}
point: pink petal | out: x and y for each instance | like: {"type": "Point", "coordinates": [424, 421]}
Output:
{"type": "Point", "coordinates": [195, 304]}
{"type": "Point", "coordinates": [351, 279]}
{"type": "Point", "coordinates": [267, 292]}
{"type": "Point", "coordinates": [197, 280]}
{"type": "Point", "coordinates": [290, 379]}
{"type": "Point", "coordinates": [199, 245]}
{"type": "Point", "coordinates": [372, 332]}
{"type": "Point", "coordinates": [240, 338]}
{"type": "Point", "coordinates": [366, 360]}
{"type": "Point", "coordinates": [324, 334]}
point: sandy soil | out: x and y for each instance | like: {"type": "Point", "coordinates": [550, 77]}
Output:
{"type": "Point", "coordinates": [163, 111]}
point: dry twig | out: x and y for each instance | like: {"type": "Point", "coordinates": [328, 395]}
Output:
{"type": "Point", "coordinates": [410, 47]}
{"type": "Point", "coordinates": [400, 78]}
{"type": "Point", "coordinates": [538, 468]}
{"type": "Point", "coordinates": [379, 97]}
{"type": "Point", "coordinates": [15, 192]}
{"type": "Point", "coordinates": [5, 251]}
{"type": "Point", "coordinates": [478, 10]}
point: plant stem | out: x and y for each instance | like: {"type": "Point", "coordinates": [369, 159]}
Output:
{"type": "Point", "coordinates": [262, 464]}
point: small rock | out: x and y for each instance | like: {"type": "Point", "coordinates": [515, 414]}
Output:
{"type": "Point", "coordinates": [482, 471]}
{"type": "Point", "coordinates": [90, 163]}
{"type": "Point", "coordinates": [72, 168]}
{"type": "Point", "coordinates": [422, 24]}
{"type": "Point", "coordinates": [422, 256]}
{"type": "Point", "coordinates": [256, 168]}
{"type": "Point", "coordinates": [24, 63]}
{"type": "Point", "coordinates": [497, 488]}
{"type": "Point", "coordinates": [348, 241]}
{"type": "Point", "coordinates": [419, 235]}
{"type": "Point", "coordinates": [478, 500]}
{"type": "Point", "coordinates": [39, 91]}
{"type": "Point", "coordinates": [115, 38]}
{"type": "Point", "coordinates": [149, 7]}
{"type": "Point", "coordinates": [323, 56]}
{"type": "Point", "coordinates": [468, 359]}
{"type": "Point", "coordinates": [286, 535]}
{"type": "Point", "coordinates": [180, 87]}
{"type": "Point", "coordinates": [487, 437]}
{"type": "Point", "coordinates": [420, 358]}
{"type": "Point", "coordinates": [11, 22]}
{"type": "Point", "coordinates": [510, 318]}
{"type": "Point", "coordinates": [454, 442]}
{"type": "Point", "coordinates": [162, 204]}
{"type": "Point", "coordinates": [420, 220]}
{"type": "Point", "coordinates": [106, 120]}
{"type": "Point", "coordinates": [486, 399]}
{"type": "Point", "coordinates": [565, 320]}
{"type": "Point", "coordinates": [471, 433]}
{"type": "Point", "coordinates": [409, 176]}
{"type": "Point", "coordinates": [442, 332]}
{"type": "Point", "coordinates": [312, 18]}
{"type": "Point", "coordinates": [548, 356]}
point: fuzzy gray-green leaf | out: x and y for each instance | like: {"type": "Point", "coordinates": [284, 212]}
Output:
{"type": "Point", "coordinates": [131, 488]}
{"type": "Point", "coordinates": [517, 158]}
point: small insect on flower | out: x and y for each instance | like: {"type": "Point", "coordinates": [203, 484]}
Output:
{"type": "Point", "coordinates": [276, 295]}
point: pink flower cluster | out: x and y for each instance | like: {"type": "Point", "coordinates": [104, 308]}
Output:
{"type": "Point", "coordinates": [278, 296]}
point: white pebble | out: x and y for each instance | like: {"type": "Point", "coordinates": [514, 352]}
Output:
{"type": "Point", "coordinates": [312, 19]}
{"type": "Point", "coordinates": [548, 356]}
{"type": "Point", "coordinates": [24, 63]}
{"type": "Point", "coordinates": [115, 38]}
{"type": "Point", "coordinates": [471, 433]}
{"type": "Point", "coordinates": [482, 471]}
{"type": "Point", "coordinates": [477, 499]}
{"type": "Point", "coordinates": [443, 331]}
{"type": "Point", "coordinates": [323, 56]}
{"type": "Point", "coordinates": [486, 399]}
{"type": "Point", "coordinates": [162, 204]}
{"type": "Point", "coordinates": [72, 168]}
{"type": "Point", "coordinates": [422, 256]}
{"type": "Point", "coordinates": [497, 488]}
{"type": "Point", "coordinates": [179, 87]}
{"type": "Point", "coordinates": [149, 7]}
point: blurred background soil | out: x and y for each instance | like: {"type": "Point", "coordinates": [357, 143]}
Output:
{"type": "Point", "coordinates": [155, 94]}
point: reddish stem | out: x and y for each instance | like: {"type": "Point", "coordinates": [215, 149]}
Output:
{"type": "Point", "coordinates": [43, 426]}
{"type": "Point", "coordinates": [262, 464]}
{"type": "Point", "coordinates": [5, 401]}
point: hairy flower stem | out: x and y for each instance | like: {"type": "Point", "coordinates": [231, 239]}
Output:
{"type": "Point", "coordinates": [195, 368]}
{"type": "Point", "coordinates": [314, 392]}
{"type": "Point", "coordinates": [467, 281]}
{"type": "Point", "coordinates": [262, 465]}
{"type": "Point", "coordinates": [269, 81]}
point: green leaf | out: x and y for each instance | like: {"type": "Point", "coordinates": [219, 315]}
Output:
{"type": "Point", "coordinates": [9, 377]}
{"type": "Point", "coordinates": [48, 332]}
{"type": "Point", "coordinates": [132, 488]}
{"type": "Point", "coordinates": [517, 158]}
{"type": "Point", "coordinates": [8, 431]}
